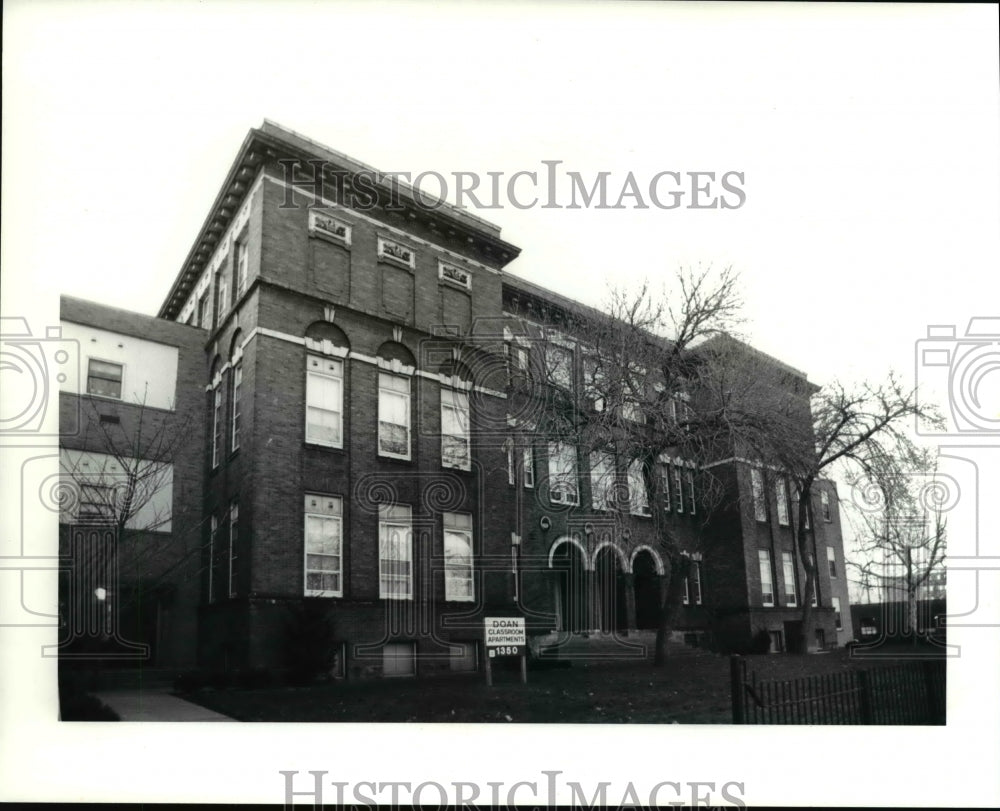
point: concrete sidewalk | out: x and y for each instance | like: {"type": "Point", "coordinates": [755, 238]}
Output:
{"type": "Point", "coordinates": [155, 705]}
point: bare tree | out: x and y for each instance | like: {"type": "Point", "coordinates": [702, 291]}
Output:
{"type": "Point", "coordinates": [901, 529]}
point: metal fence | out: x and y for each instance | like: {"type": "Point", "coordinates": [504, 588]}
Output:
{"type": "Point", "coordinates": [908, 694]}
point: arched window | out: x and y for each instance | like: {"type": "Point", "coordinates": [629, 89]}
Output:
{"type": "Point", "coordinates": [327, 348]}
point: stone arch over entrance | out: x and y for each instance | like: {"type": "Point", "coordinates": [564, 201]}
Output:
{"type": "Point", "coordinates": [610, 588]}
{"type": "Point", "coordinates": [568, 561]}
{"type": "Point", "coordinates": [647, 571]}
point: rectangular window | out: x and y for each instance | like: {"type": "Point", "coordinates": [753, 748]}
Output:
{"type": "Point", "coordinates": [824, 498]}
{"type": "Point", "coordinates": [689, 477]}
{"type": "Point", "coordinates": [203, 312]}
{"type": "Point", "coordinates": [242, 266]}
{"type": "Point", "coordinates": [638, 494]}
{"type": "Point", "coordinates": [695, 576]}
{"type": "Point", "coordinates": [528, 460]}
{"type": "Point", "coordinates": [757, 485]}
{"type": "Point", "coordinates": [665, 484]}
{"type": "Point", "coordinates": [781, 494]}
{"type": "Point", "coordinates": [104, 378]}
{"type": "Point", "coordinates": [788, 575]}
{"type": "Point", "coordinates": [831, 559]}
{"type": "Point", "coordinates": [559, 365]}
{"type": "Point", "coordinates": [632, 411]}
{"type": "Point", "coordinates": [836, 613]}
{"type": "Point", "coordinates": [455, 433]}
{"type": "Point", "coordinates": [395, 552]}
{"type": "Point", "coordinates": [687, 592]}
{"type": "Point", "coordinates": [237, 390]}
{"type": "Point", "coordinates": [399, 659]}
{"type": "Point", "coordinates": [213, 533]}
{"type": "Point", "coordinates": [458, 583]}
{"type": "Point", "coordinates": [511, 472]}
{"type": "Point", "coordinates": [216, 424]}
{"type": "Point", "coordinates": [324, 401]}
{"type": "Point", "coordinates": [678, 489]}
{"type": "Point", "coordinates": [234, 545]}
{"type": "Point", "coordinates": [602, 480]}
{"type": "Point", "coordinates": [323, 546]}
{"type": "Point", "coordinates": [222, 287]}
{"type": "Point", "coordinates": [563, 484]}
{"type": "Point", "coordinates": [394, 416]}
{"type": "Point", "coordinates": [766, 579]}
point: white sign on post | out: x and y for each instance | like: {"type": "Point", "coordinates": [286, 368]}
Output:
{"type": "Point", "coordinates": [505, 636]}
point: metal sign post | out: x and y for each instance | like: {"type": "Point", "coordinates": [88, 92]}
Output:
{"type": "Point", "coordinates": [505, 636]}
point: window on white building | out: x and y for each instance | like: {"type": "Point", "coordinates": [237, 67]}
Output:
{"type": "Point", "coordinates": [323, 546]}
{"type": "Point", "coordinates": [104, 378]}
{"type": "Point", "coordinates": [395, 552]}
{"type": "Point", "coordinates": [458, 577]}
{"type": "Point", "coordinates": [324, 401]}
{"type": "Point", "coordinates": [394, 416]}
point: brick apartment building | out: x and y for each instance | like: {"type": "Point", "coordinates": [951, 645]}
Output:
{"type": "Point", "coordinates": [351, 364]}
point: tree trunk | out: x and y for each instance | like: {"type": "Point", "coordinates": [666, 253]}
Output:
{"type": "Point", "coordinates": [804, 643]}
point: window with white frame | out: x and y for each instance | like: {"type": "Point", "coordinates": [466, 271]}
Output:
{"type": "Point", "coordinates": [213, 534]}
{"type": "Point", "coordinates": [393, 416]}
{"type": "Point", "coordinates": [395, 552]}
{"type": "Point", "coordinates": [757, 485]}
{"type": "Point", "coordinates": [511, 470]}
{"type": "Point", "coordinates": [559, 365]}
{"type": "Point", "coordinates": [217, 424]}
{"type": "Point", "coordinates": [678, 489]}
{"type": "Point", "coordinates": [781, 494]}
{"type": "Point", "coordinates": [638, 493]}
{"type": "Point", "coordinates": [788, 575]}
{"type": "Point", "coordinates": [458, 583]}
{"type": "Point", "coordinates": [222, 290]}
{"type": "Point", "coordinates": [836, 613]}
{"type": "Point", "coordinates": [242, 266]}
{"type": "Point", "coordinates": [323, 546]}
{"type": "Point", "coordinates": [324, 401]}
{"type": "Point", "coordinates": [665, 484]}
{"type": "Point", "coordinates": [687, 592]}
{"type": "Point", "coordinates": [203, 312]}
{"type": "Point", "coordinates": [602, 480]}
{"type": "Point", "coordinates": [528, 462]}
{"type": "Point", "coordinates": [234, 545]}
{"type": "Point", "coordinates": [563, 476]}
{"type": "Point", "coordinates": [104, 378]}
{"type": "Point", "coordinates": [455, 432]}
{"type": "Point", "coordinates": [831, 560]}
{"type": "Point", "coordinates": [237, 408]}
{"type": "Point", "coordinates": [695, 576]}
{"type": "Point", "coordinates": [824, 498]}
{"type": "Point", "coordinates": [689, 478]}
{"type": "Point", "coordinates": [766, 578]}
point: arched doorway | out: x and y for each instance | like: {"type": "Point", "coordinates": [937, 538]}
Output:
{"type": "Point", "coordinates": [610, 591]}
{"type": "Point", "coordinates": [568, 564]}
{"type": "Point", "coordinates": [646, 582]}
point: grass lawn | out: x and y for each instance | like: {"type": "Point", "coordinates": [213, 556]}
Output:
{"type": "Point", "coordinates": [689, 690]}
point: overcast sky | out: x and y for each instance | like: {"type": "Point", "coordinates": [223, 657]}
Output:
{"type": "Point", "coordinates": [867, 139]}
